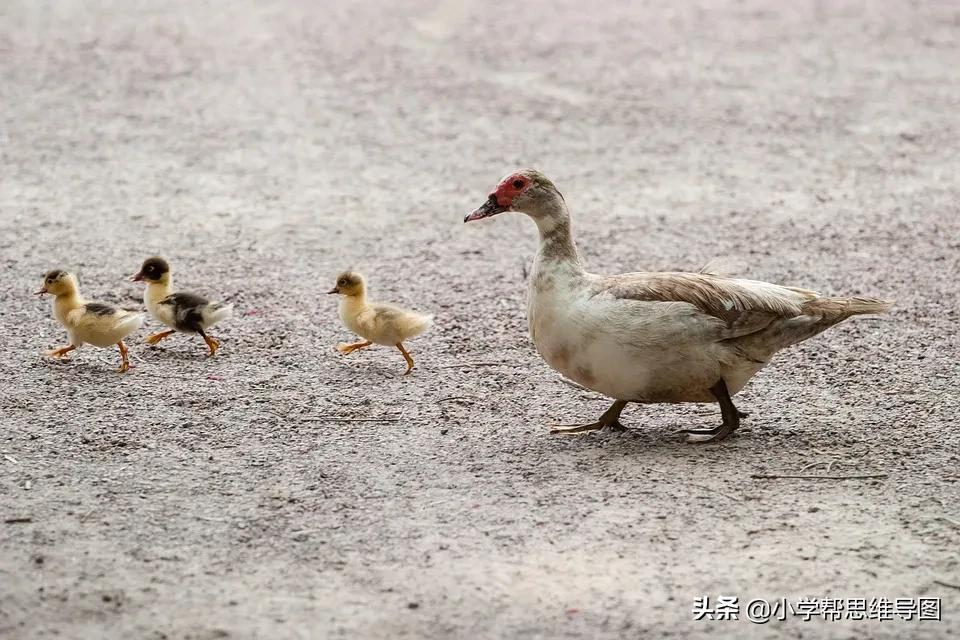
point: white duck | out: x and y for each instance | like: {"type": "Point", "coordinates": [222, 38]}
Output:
{"type": "Point", "coordinates": [652, 337]}
{"type": "Point", "coordinates": [95, 323]}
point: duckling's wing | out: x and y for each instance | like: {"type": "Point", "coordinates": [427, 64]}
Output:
{"type": "Point", "coordinates": [400, 323]}
{"type": "Point", "coordinates": [195, 313]}
{"type": "Point", "coordinates": [186, 307]}
{"type": "Point", "coordinates": [100, 309]}
{"type": "Point", "coordinates": [102, 324]}
{"type": "Point", "coordinates": [99, 313]}
{"type": "Point", "coordinates": [185, 300]}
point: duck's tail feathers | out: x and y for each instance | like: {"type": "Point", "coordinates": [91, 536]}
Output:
{"type": "Point", "coordinates": [418, 325]}
{"type": "Point", "coordinates": [838, 309]}
{"type": "Point", "coordinates": [722, 267]}
{"type": "Point", "coordinates": [129, 323]}
{"type": "Point", "coordinates": [216, 312]}
{"type": "Point", "coordinates": [818, 316]}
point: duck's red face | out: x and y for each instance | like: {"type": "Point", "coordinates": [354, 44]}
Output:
{"type": "Point", "coordinates": [502, 198]}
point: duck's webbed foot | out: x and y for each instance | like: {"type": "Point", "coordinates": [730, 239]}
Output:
{"type": "Point", "coordinates": [345, 348]}
{"type": "Point", "coordinates": [731, 418]}
{"type": "Point", "coordinates": [609, 420]}
{"type": "Point", "coordinates": [716, 433]}
{"type": "Point", "coordinates": [124, 358]}
{"type": "Point", "coordinates": [407, 357]}
{"type": "Point", "coordinates": [154, 338]}
{"type": "Point", "coordinates": [212, 344]}
{"type": "Point", "coordinates": [59, 353]}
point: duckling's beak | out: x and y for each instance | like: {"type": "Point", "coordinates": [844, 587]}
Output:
{"type": "Point", "coordinates": [489, 208]}
{"type": "Point", "coordinates": [137, 277]}
{"type": "Point", "coordinates": [334, 290]}
{"type": "Point", "coordinates": [41, 292]}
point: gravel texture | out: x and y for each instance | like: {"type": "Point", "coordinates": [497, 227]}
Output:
{"type": "Point", "coordinates": [280, 490]}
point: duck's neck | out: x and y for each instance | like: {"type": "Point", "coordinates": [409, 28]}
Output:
{"type": "Point", "coordinates": [354, 304]}
{"type": "Point", "coordinates": [157, 291]}
{"type": "Point", "coordinates": [556, 241]}
{"type": "Point", "coordinates": [65, 303]}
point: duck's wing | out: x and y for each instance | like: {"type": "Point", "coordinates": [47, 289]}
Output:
{"type": "Point", "coordinates": [99, 313]}
{"type": "Point", "coordinates": [753, 319]}
{"type": "Point", "coordinates": [391, 320]}
{"type": "Point", "coordinates": [100, 309]}
{"type": "Point", "coordinates": [743, 305]}
{"type": "Point", "coordinates": [185, 300]}
{"type": "Point", "coordinates": [103, 318]}
{"type": "Point", "coordinates": [187, 310]}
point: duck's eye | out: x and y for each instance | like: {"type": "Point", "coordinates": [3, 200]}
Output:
{"type": "Point", "coordinates": [518, 184]}
{"type": "Point", "coordinates": [341, 283]}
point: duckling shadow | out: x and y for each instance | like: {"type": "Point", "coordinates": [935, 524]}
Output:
{"type": "Point", "coordinates": [87, 369]}
{"type": "Point", "coordinates": [182, 355]}
{"type": "Point", "coordinates": [374, 373]}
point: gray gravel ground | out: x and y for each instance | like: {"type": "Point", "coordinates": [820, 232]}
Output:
{"type": "Point", "coordinates": [281, 490]}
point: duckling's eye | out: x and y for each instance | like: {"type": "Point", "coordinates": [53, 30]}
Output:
{"type": "Point", "coordinates": [518, 184]}
{"type": "Point", "coordinates": [341, 283]}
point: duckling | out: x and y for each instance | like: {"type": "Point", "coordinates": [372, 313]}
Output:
{"type": "Point", "coordinates": [375, 322]}
{"type": "Point", "coordinates": [95, 323]}
{"type": "Point", "coordinates": [184, 312]}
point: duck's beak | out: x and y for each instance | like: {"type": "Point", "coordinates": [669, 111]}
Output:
{"type": "Point", "coordinates": [489, 208]}
{"type": "Point", "coordinates": [137, 277]}
{"type": "Point", "coordinates": [334, 290]}
{"type": "Point", "coordinates": [41, 292]}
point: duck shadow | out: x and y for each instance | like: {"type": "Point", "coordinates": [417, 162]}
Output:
{"type": "Point", "coordinates": [637, 442]}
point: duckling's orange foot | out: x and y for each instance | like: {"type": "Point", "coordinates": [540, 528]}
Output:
{"type": "Point", "coordinates": [154, 338]}
{"type": "Point", "coordinates": [406, 357]}
{"type": "Point", "coordinates": [212, 344]}
{"type": "Point", "coordinates": [124, 358]}
{"type": "Point", "coordinates": [59, 353]}
{"type": "Point", "coordinates": [346, 349]}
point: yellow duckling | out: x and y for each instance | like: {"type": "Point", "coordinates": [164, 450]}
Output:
{"type": "Point", "coordinates": [375, 322]}
{"type": "Point", "coordinates": [95, 323]}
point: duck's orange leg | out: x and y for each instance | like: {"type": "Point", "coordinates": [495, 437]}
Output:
{"type": "Point", "coordinates": [154, 338]}
{"type": "Point", "coordinates": [406, 356]}
{"type": "Point", "coordinates": [125, 361]}
{"type": "Point", "coordinates": [212, 344]}
{"type": "Point", "coordinates": [353, 346]}
{"type": "Point", "coordinates": [59, 353]}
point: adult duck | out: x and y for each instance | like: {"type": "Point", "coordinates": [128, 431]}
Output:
{"type": "Point", "coordinates": [652, 337]}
